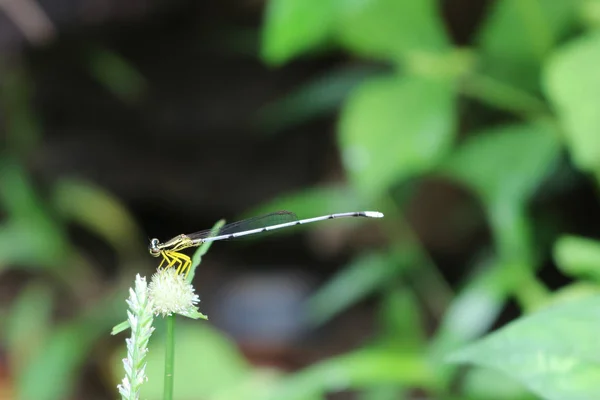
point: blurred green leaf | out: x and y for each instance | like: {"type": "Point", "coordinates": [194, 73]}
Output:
{"type": "Point", "coordinates": [489, 384]}
{"type": "Point", "coordinates": [390, 29]}
{"type": "Point", "coordinates": [117, 74]}
{"type": "Point", "coordinates": [589, 12]}
{"type": "Point", "coordinates": [505, 164]}
{"type": "Point", "coordinates": [351, 284]}
{"type": "Point", "coordinates": [518, 34]}
{"type": "Point", "coordinates": [29, 237]}
{"type": "Point", "coordinates": [360, 369]}
{"type": "Point", "coordinates": [574, 291]}
{"type": "Point", "coordinates": [26, 245]}
{"type": "Point", "coordinates": [66, 349]}
{"type": "Point", "coordinates": [394, 128]}
{"type": "Point", "coordinates": [578, 256]}
{"type": "Point", "coordinates": [52, 373]}
{"type": "Point", "coordinates": [28, 324]}
{"type": "Point", "coordinates": [17, 195]}
{"type": "Point", "coordinates": [573, 84]}
{"type": "Point", "coordinates": [555, 352]}
{"type": "Point", "coordinates": [206, 363]}
{"type": "Point", "coordinates": [292, 27]}
{"type": "Point", "coordinates": [473, 311]}
{"type": "Point", "coordinates": [313, 99]}
{"type": "Point", "coordinates": [402, 321]}
{"type": "Point", "coordinates": [100, 212]}
{"type": "Point", "coordinates": [257, 385]}
{"type": "Point", "coordinates": [388, 392]}
{"type": "Point", "coordinates": [22, 125]}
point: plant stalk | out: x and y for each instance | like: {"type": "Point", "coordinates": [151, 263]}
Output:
{"type": "Point", "coordinates": [169, 358]}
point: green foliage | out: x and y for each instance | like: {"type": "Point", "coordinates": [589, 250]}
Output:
{"type": "Point", "coordinates": [359, 279]}
{"type": "Point", "coordinates": [554, 352]}
{"type": "Point", "coordinates": [486, 384]}
{"type": "Point", "coordinates": [389, 29]}
{"type": "Point", "coordinates": [200, 352]}
{"type": "Point", "coordinates": [393, 128]}
{"type": "Point", "coordinates": [501, 119]}
{"type": "Point", "coordinates": [117, 74]}
{"type": "Point", "coordinates": [294, 26]}
{"type": "Point", "coordinates": [518, 35]}
{"type": "Point", "coordinates": [505, 164]}
{"type": "Point", "coordinates": [362, 368]}
{"type": "Point", "coordinates": [572, 83]}
{"type": "Point", "coordinates": [530, 60]}
{"type": "Point", "coordinates": [578, 257]}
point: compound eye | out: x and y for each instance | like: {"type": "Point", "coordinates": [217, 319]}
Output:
{"type": "Point", "coordinates": [153, 247]}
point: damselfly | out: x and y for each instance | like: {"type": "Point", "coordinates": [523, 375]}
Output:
{"type": "Point", "coordinates": [170, 251]}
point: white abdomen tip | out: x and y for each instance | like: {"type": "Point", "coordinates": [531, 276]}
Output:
{"type": "Point", "coordinates": [373, 214]}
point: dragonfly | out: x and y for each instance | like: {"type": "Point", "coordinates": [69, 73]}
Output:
{"type": "Point", "coordinates": [170, 251]}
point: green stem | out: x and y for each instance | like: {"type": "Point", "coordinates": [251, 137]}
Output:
{"type": "Point", "coordinates": [503, 96]}
{"type": "Point", "coordinates": [169, 357]}
{"type": "Point", "coordinates": [427, 279]}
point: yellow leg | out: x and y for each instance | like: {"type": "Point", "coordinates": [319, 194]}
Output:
{"type": "Point", "coordinates": [185, 269]}
{"type": "Point", "coordinates": [184, 263]}
{"type": "Point", "coordinates": [176, 260]}
{"type": "Point", "coordinates": [169, 259]}
{"type": "Point", "coordinates": [164, 258]}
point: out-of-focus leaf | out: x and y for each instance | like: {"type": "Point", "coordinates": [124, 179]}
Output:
{"type": "Point", "coordinates": [27, 245]}
{"type": "Point", "coordinates": [578, 256]}
{"type": "Point", "coordinates": [573, 84]}
{"type": "Point", "coordinates": [28, 324]}
{"type": "Point", "coordinates": [555, 352]}
{"type": "Point", "coordinates": [391, 392]}
{"type": "Point", "coordinates": [365, 274]}
{"type": "Point", "coordinates": [20, 122]}
{"type": "Point", "coordinates": [29, 237]}
{"type": "Point", "coordinates": [473, 311]}
{"type": "Point", "coordinates": [257, 384]}
{"type": "Point", "coordinates": [361, 369]}
{"type": "Point", "coordinates": [52, 373]}
{"type": "Point", "coordinates": [313, 99]}
{"type": "Point", "coordinates": [100, 212]}
{"type": "Point", "coordinates": [589, 12]}
{"type": "Point", "coordinates": [489, 384]}
{"type": "Point", "coordinates": [394, 128]}
{"type": "Point", "coordinates": [295, 26]}
{"type": "Point", "coordinates": [389, 29]}
{"type": "Point", "coordinates": [505, 164]}
{"type": "Point", "coordinates": [519, 34]}
{"type": "Point", "coordinates": [402, 324]}
{"type": "Point", "coordinates": [117, 74]}
{"type": "Point", "coordinates": [206, 363]}
{"type": "Point", "coordinates": [574, 291]}
{"type": "Point", "coordinates": [65, 351]}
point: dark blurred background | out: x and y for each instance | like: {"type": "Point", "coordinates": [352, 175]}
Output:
{"type": "Point", "coordinates": [123, 121]}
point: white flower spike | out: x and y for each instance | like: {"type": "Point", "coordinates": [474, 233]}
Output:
{"type": "Point", "coordinates": [140, 319]}
{"type": "Point", "coordinates": [172, 294]}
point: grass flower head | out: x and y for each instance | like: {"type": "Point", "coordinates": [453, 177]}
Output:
{"type": "Point", "coordinates": [172, 294]}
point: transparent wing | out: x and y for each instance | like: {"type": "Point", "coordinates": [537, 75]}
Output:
{"type": "Point", "coordinates": [262, 221]}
